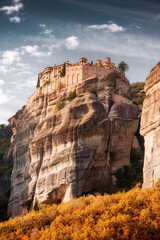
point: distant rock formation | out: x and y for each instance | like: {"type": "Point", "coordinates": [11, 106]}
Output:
{"type": "Point", "coordinates": [150, 128]}
{"type": "Point", "coordinates": [64, 149]}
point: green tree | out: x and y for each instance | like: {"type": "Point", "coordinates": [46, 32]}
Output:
{"type": "Point", "coordinates": [128, 176]}
{"type": "Point", "coordinates": [123, 66]}
{"type": "Point", "coordinates": [38, 83]}
{"type": "Point", "coordinates": [63, 72]}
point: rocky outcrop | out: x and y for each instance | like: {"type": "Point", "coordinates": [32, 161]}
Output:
{"type": "Point", "coordinates": [63, 154]}
{"type": "Point", "coordinates": [150, 128]}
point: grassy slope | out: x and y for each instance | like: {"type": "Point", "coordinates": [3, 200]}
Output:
{"type": "Point", "coordinates": [130, 216]}
{"type": "Point", "coordinates": [138, 93]}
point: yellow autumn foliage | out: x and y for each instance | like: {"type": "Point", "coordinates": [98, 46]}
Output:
{"type": "Point", "coordinates": [134, 215]}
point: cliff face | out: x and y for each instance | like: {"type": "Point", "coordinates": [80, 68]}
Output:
{"type": "Point", "coordinates": [150, 128]}
{"type": "Point", "coordinates": [58, 156]}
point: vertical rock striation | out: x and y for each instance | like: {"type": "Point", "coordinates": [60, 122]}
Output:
{"type": "Point", "coordinates": [150, 128]}
{"type": "Point", "coordinates": [61, 155]}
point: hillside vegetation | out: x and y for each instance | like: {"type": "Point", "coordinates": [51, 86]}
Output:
{"type": "Point", "coordinates": [129, 216]}
{"type": "Point", "coordinates": [5, 134]}
{"type": "Point", "coordinates": [138, 94]}
{"type": "Point", "coordinates": [5, 170]}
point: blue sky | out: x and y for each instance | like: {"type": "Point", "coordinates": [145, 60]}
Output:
{"type": "Point", "coordinates": [35, 34]}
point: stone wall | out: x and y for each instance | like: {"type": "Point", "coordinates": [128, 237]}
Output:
{"type": "Point", "coordinates": [74, 74]}
{"type": "Point", "coordinates": [94, 70]}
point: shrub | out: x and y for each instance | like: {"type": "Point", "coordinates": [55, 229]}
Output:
{"type": "Point", "coordinates": [3, 206]}
{"type": "Point", "coordinates": [138, 94]}
{"type": "Point", "coordinates": [129, 176]}
{"type": "Point", "coordinates": [72, 96]}
{"type": "Point", "coordinates": [92, 91]}
{"type": "Point", "coordinates": [46, 83]}
{"type": "Point", "coordinates": [38, 83]}
{"type": "Point", "coordinates": [125, 216]}
{"type": "Point", "coordinates": [34, 206]}
{"type": "Point", "coordinates": [123, 66]}
{"type": "Point", "coordinates": [5, 170]}
{"type": "Point", "coordinates": [5, 134]}
{"type": "Point", "coordinates": [59, 105]}
{"type": "Point", "coordinates": [60, 85]}
{"type": "Point", "coordinates": [4, 145]}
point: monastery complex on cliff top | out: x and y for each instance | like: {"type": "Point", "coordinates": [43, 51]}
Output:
{"type": "Point", "coordinates": [74, 73]}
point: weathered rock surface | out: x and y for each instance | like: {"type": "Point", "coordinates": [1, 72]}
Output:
{"type": "Point", "coordinates": [150, 128]}
{"type": "Point", "coordinates": [58, 156]}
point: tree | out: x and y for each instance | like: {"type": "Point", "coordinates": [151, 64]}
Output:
{"type": "Point", "coordinates": [123, 66]}
{"type": "Point", "coordinates": [38, 83]}
{"type": "Point", "coordinates": [63, 72]}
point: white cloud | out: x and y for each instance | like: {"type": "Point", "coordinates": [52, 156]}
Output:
{"type": "Point", "coordinates": [13, 8]}
{"type": "Point", "coordinates": [28, 83]}
{"type": "Point", "coordinates": [9, 57]}
{"type": "Point", "coordinates": [16, 1]}
{"type": "Point", "coordinates": [3, 69]}
{"type": "Point", "coordinates": [15, 19]}
{"type": "Point", "coordinates": [9, 106]}
{"type": "Point", "coordinates": [35, 51]}
{"type": "Point", "coordinates": [42, 25]}
{"type": "Point", "coordinates": [1, 82]}
{"type": "Point", "coordinates": [113, 27]}
{"type": "Point", "coordinates": [125, 45]}
{"type": "Point", "coordinates": [72, 42]}
{"type": "Point", "coordinates": [3, 98]}
{"type": "Point", "coordinates": [46, 31]}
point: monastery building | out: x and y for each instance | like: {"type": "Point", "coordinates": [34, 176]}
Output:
{"type": "Point", "coordinates": [68, 75]}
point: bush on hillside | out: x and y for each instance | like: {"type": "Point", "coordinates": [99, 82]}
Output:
{"type": "Point", "coordinates": [128, 176]}
{"type": "Point", "coordinates": [138, 94]}
{"type": "Point", "coordinates": [4, 145]}
{"type": "Point", "coordinates": [59, 105]}
{"type": "Point", "coordinates": [72, 96]}
{"type": "Point", "coordinates": [92, 91]}
{"type": "Point", "coordinates": [126, 216]}
{"type": "Point", "coordinates": [5, 170]}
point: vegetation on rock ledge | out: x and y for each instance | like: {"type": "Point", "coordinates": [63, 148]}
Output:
{"type": "Point", "coordinates": [59, 105]}
{"type": "Point", "coordinates": [72, 96]}
{"type": "Point", "coordinates": [92, 91]}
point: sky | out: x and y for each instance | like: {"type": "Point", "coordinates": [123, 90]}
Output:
{"type": "Point", "coordinates": [35, 34]}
